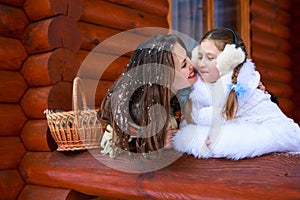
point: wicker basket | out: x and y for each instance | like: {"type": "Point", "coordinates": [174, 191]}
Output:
{"type": "Point", "coordinates": [78, 129]}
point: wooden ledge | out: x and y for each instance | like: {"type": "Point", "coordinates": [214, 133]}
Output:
{"type": "Point", "coordinates": [274, 176]}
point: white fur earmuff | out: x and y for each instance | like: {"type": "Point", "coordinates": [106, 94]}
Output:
{"type": "Point", "coordinates": [229, 58]}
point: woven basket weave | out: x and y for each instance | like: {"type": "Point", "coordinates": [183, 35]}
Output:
{"type": "Point", "coordinates": [78, 129]}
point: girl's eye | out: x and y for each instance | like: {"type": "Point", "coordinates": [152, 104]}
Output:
{"type": "Point", "coordinates": [184, 65]}
{"type": "Point", "coordinates": [210, 58]}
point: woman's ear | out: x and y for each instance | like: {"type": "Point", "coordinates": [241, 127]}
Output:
{"type": "Point", "coordinates": [229, 58]}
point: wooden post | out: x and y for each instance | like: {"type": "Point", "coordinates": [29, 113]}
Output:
{"type": "Point", "coordinates": [12, 86]}
{"type": "Point", "coordinates": [12, 119]}
{"type": "Point", "coordinates": [37, 137]}
{"type": "Point", "coordinates": [12, 54]}
{"type": "Point", "coordinates": [52, 33]}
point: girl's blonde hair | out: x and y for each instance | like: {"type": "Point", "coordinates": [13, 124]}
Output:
{"type": "Point", "coordinates": [221, 37]}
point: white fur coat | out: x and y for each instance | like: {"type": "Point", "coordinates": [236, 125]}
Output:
{"type": "Point", "coordinates": [259, 127]}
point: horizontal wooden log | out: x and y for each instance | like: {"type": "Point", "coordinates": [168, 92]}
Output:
{"type": "Point", "coordinates": [275, 74]}
{"type": "Point", "coordinates": [269, 26]}
{"type": "Point", "coordinates": [270, 42]}
{"type": "Point", "coordinates": [13, 2]}
{"type": "Point", "coordinates": [13, 21]}
{"type": "Point", "coordinates": [37, 100]}
{"type": "Point", "coordinates": [12, 151]}
{"type": "Point", "coordinates": [48, 68]}
{"type": "Point", "coordinates": [295, 11]}
{"type": "Point", "coordinates": [279, 89]}
{"type": "Point", "coordinates": [12, 119]}
{"type": "Point", "coordinates": [111, 41]}
{"type": "Point", "coordinates": [99, 66]}
{"type": "Point", "coordinates": [103, 13]}
{"type": "Point", "coordinates": [11, 184]}
{"type": "Point", "coordinates": [155, 7]}
{"type": "Point", "coordinates": [74, 9]}
{"type": "Point", "coordinates": [266, 10]}
{"type": "Point", "coordinates": [12, 86]}
{"type": "Point", "coordinates": [43, 192]}
{"type": "Point", "coordinates": [191, 178]}
{"type": "Point", "coordinates": [271, 57]}
{"type": "Point", "coordinates": [42, 9]}
{"type": "Point", "coordinates": [49, 8]}
{"type": "Point", "coordinates": [280, 4]}
{"type": "Point", "coordinates": [37, 137]}
{"type": "Point", "coordinates": [286, 105]}
{"type": "Point", "coordinates": [49, 34]}
{"type": "Point", "coordinates": [12, 54]}
{"type": "Point", "coordinates": [90, 39]}
{"type": "Point", "coordinates": [95, 91]}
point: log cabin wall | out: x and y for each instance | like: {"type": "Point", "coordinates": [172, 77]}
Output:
{"type": "Point", "coordinates": [43, 44]}
{"type": "Point", "coordinates": [13, 87]}
{"type": "Point", "coordinates": [271, 48]}
{"type": "Point", "coordinates": [295, 42]}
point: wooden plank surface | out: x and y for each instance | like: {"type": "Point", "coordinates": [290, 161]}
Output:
{"type": "Point", "coordinates": [274, 176]}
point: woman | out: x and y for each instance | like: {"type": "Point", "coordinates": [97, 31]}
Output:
{"type": "Point", "coordinates": [136, 109]}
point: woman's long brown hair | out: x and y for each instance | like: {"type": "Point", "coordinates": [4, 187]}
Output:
{"type": "Point", "coordinates": [152, 54]}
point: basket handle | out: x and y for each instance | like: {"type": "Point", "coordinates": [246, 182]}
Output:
{"type": "Point", "coordinates": [78, 90]}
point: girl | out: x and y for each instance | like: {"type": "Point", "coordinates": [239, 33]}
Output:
{"type": "Point", "coordinates": [232, 118]}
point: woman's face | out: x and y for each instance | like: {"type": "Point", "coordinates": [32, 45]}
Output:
{"type": "Point", "coordinates": [184, 69]}
{"type": "Point", "coordinates": [207, 61]}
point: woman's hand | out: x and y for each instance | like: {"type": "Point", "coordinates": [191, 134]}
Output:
{"type": "Point", "coordinates": [262, 87]}
{"type": "Point", "coordinates": [168, 139]}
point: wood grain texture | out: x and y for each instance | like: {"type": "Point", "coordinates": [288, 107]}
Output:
{"type": "Point", "coordinates": [43, 192]}
{"type": "Point", "coordinates": [12, 119]}
{"type": "Point", "coordinates": [99, 66]}
{"type": "Point", "coordinates": [186, 178]}
{"type": "Point", "coordinates": [12, 151]}
{"type": "Point", "coordinates": [37, 137]}
{"type": "Point", "coordinates": [12, 86]}
{"type": "Point", "coordinates": [11, 184]}
{"type": "Point", "coordinates": [156, 7]}
{"type": "Point", "coordinates": [13, 21]}
{"type": "Point", "coordinates": [49, 68]}
{"type": "Point", "coordinates": [103, 13]}
{"type": "Point", "coordinates": [12, 54]}
{"type": "Point", "coordinates": [38, 99]}
{"type": "Point", "coordinates": [48, 34]}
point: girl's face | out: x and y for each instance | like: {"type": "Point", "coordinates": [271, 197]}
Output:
{"type": "Point", "coordinates": [184, 69]}
{"type": "Point", "coordinates": [207, 61]}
